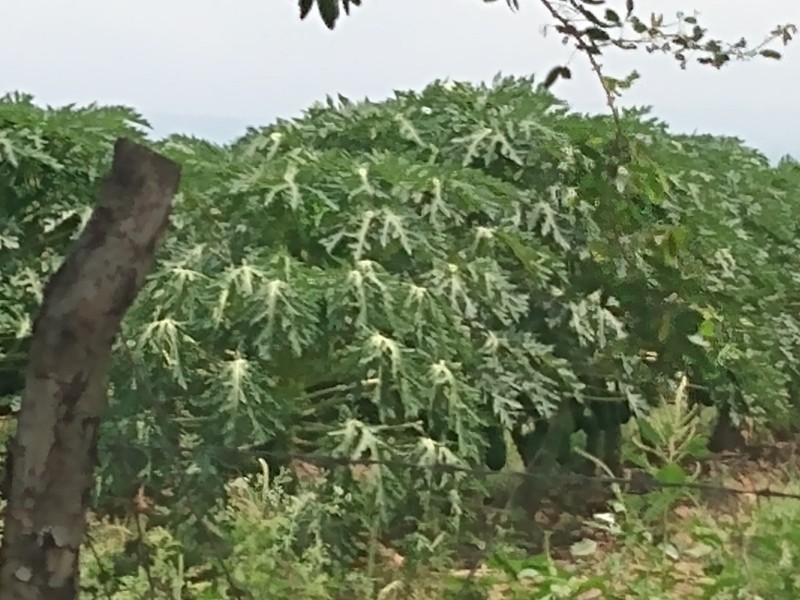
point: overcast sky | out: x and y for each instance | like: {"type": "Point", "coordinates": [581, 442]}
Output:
{"type": "Point", "coordinates": [212, 67]}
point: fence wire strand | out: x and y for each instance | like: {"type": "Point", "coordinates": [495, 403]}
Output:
{"type": "Point", "coordinates": [644, 483]}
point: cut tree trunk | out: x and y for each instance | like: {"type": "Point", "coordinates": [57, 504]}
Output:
{"type": "Point", "coordinates": [51, 460]}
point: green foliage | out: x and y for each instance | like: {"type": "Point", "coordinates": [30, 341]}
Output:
{"type": "Point", "coordinates": [264, 540]}
{"type": "Point", "coordinates": [50, 163]}
{"type": "Point", "coordinates": [269, 540]}
{"type": "Point", "coordinates": [391, 280]}
{"type": "Point", "coordinates": [378, 266]}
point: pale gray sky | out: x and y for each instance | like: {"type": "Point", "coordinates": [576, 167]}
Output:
{"type": "Point", "coordinates": [212, 67]}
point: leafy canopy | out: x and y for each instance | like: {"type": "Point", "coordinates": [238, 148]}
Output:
{"type": "Point", "coordinates": [388, 279]}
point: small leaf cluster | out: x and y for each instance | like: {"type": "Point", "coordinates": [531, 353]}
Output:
{"type": "Point", "coordinates": [594, 26]}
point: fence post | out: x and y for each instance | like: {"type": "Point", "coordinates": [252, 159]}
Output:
{"type": "Point", "coordinates": [51, 460]}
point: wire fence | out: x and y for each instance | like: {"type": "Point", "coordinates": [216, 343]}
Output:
{"type": "Point", "coordinates": [638, 483]}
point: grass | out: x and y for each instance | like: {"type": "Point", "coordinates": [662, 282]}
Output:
{"type": "Point", "coordinates": [653, 546]}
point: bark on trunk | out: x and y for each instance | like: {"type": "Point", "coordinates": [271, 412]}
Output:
{"type": "Point", "coordinates": [50, 463]}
